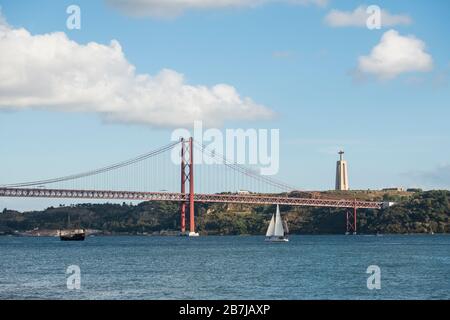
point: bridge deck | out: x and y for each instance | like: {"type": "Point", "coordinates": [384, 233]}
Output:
{"type": "Point", "coordinates": [172, 196]}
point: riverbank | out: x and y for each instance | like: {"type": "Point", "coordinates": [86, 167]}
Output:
{"type": "Point", "coordinates": [89, 232]}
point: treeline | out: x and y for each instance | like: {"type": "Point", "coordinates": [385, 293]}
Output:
{"type": "Point", "coordinates": [423, 212]}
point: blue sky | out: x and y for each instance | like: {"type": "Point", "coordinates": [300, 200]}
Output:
{"type": "Point", "coordinates": [283, 56]}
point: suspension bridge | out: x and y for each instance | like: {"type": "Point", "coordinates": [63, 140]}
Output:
{"type": "Point", "coordinates": [172, 171]}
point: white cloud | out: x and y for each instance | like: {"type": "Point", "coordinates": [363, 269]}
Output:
{"type": "Point", "coordinates": [170, 8]}
{"type": "Point", "coordinates": [359, 16]}
{"type": "Point", "coordinates": [396, 54]}
{"type": "Point", "coordinates": [50, 71]}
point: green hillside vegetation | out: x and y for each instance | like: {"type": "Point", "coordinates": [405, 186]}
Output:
{"type": "Point", "coordinates": [415, 212]}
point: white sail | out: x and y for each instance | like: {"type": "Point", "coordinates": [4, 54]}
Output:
{"type": "Point", "coordinates": [279, 231]}
{"type": "Point", "coordinates": [271, 229]}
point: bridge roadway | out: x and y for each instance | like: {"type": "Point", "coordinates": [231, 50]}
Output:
{"type": "Point", "coordinates": [179, 197]}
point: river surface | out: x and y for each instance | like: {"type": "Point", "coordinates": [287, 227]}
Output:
{"type": "Point", "coordinates": [228, 267]}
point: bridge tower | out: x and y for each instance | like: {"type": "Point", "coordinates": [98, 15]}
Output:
{"type": "Point", "coordinates": [351, 220]}
{"type": "Point", "coordinates": [187, 175]}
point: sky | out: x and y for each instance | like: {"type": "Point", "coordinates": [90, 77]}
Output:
{"type": "Point", "coordinates": [77, 99]}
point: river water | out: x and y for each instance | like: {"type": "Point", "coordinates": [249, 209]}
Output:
{"type": "Point", "coordinates": [228, 267]}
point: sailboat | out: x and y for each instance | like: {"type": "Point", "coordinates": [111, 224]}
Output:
{"type": "Point", "coordinates": [276, 232]}
{"type": "Point", "coordinates": [70, 234]}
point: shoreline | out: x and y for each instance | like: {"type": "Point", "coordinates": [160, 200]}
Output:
{"type": "Point", "coordinates": [22, 235]}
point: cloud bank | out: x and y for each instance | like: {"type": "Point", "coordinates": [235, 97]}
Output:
{"type": "Point", "coordinates": [50, 71]}
{"type": "Point", "coordinates": [396, 54]}
{"type": "Point", "coordinates": [438, 177]}
{"type": "Point", "coordinates": [358, 18]}
{"type": "Point", "coordinates": [172, 8]}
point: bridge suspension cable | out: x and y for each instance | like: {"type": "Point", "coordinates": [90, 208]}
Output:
{"type": "Point", "coordinates": [245, 170]}
{"type": "Point", "coordinates": [96, 171]}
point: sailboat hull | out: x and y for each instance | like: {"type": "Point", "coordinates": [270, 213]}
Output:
{"type": "Point", "coordinates": [276, 239]}
{"type": "Point", "coordinates": [72, 235]}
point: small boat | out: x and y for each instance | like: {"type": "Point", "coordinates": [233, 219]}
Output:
{"type": "Point", "coordinates": [71, 234]}
{"type": "Point", "coordinates": [276, 232]}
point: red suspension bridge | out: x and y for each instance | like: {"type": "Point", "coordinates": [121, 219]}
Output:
{"type": "Point", "coordinates": [154, 170]}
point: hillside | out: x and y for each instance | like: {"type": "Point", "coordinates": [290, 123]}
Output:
{"type": "Point", "coordinates": [420, 212]}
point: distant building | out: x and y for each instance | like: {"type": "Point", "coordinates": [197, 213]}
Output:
{"type": "Point", "coordinates": [341, 173]}
{"type": "Point", "coordinates": [243, 192]}
{"type": "Point", "coordinates": [394, 189]}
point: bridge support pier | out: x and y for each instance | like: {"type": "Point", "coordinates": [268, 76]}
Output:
{"type": "Point", "coordinates": [351, 220]}
{"type": "Point", "coordinates": [187, 174]}
{"type": "Point", "coordinates": [183, 189]}
{"type": "Point", "coordinates": [192, 232]}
